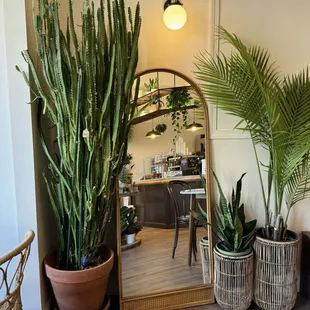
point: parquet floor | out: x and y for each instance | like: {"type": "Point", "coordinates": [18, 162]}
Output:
{"type": "Point", "coordinates": [150, 268]}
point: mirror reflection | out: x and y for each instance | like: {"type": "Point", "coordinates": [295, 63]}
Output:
{"type": "Point", "coordinates": [163, 248]}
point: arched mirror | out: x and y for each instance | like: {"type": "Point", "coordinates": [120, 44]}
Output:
{"type": "Point", "coordinates": [165, 253]}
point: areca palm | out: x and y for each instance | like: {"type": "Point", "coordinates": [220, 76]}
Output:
{"type": "Point", "coordinates": [276, 113]}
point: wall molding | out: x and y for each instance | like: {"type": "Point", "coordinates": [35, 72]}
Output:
{"type": "Point", "coordinates": [215, 113]}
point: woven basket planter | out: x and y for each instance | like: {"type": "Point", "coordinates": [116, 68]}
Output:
{"type": "Point", "coordinates": [233, 282]}
{"type": "Point", "coordinates": [276, 264]}
{"type": "Point", "coordinates": [205, 259]}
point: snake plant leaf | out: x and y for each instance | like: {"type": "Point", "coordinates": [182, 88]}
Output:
{"type": "Point", "coordinates": [223, 204]}
{"type": "Point", "coordinates": [248, 227]}
{"type": "Point", "coordinates": [238, 194]}
{"type": "Point", "coordinates": [241, 214]}
{"type": "Point", "coordinates": [238, 234]}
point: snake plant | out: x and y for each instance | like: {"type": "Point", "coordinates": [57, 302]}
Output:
{"type": "Point", "coordinates": [275, 110]}
{"type": "Point", "coordinates": [234, 233]}
{"type": "Point", "coordinates": [85, 86]}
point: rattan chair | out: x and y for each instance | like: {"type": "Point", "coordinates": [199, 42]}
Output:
{"type": "Point", "coordinates": [11, 279]}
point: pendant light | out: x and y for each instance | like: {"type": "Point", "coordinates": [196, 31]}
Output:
{"type": "Point", "coordinates": [175, 15]}
{"type": "Point", "coordinates": [153, 133]}
{"type": "Point", "coordinates": [194, 126]}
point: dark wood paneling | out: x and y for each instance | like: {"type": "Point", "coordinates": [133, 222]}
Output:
{"type": "Point", "coordinates": [154, 206]}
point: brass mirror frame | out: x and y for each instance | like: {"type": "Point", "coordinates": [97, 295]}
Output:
{"type": "Point", "coordinates": [189, 296]}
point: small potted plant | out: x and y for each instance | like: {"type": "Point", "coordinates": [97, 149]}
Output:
{"type": "Point", "coordinates": [154, 103]}
{"type": "Point", "coordinates": [233, 254]}
{"type": "Point", "coordinates": [161, 128]}
{"type": "Point", "coordinates": [131, 223]}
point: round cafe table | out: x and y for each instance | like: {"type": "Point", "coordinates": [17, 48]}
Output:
{"type": "Point", "coordinates": [196, 193]}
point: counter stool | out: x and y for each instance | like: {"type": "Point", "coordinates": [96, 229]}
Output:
{"type": "Point", "coordinates": [180, 211]}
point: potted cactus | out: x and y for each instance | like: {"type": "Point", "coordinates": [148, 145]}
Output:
{"type": "Point", "coordinates": [85, 89]}
{"type": "Point", "coordinates": [233, 253]}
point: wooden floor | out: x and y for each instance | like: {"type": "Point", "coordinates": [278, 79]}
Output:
{"type": "Point", "coordinates": [150, 268]}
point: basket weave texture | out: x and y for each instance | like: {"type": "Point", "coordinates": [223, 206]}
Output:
{"type": "Point", "coordinates": [205, 261]}
{"type": "Point", "coordinates": [12, 266]}
{"type": "Point", "coordinates": [276, 270]}
{"type": "Point", "coordinates": [233, 282]}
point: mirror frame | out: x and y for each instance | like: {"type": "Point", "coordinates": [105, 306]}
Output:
{"type": "Point", "coordinates": [188, 296]}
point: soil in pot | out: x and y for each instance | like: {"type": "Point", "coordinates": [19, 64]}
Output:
{"type": "Point", "coordinates": [221, 250]}
{"type": "Point", "coordinates": [83, 289]}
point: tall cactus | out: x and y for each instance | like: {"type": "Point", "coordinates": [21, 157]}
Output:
{"type": "Point", "coordinates": [86, 90]}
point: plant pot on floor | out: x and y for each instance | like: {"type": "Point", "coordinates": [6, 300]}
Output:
{"type": "Point", "coordinates": [205, 260]}
{"type": "Point", "coordinates": [275, 285]}
{"type": "Point", "coordinates": [131, 238]}
{"type": "Point", "coordinates": [233, 282]}
{"type": "Point", "coordinates": [83, 289]}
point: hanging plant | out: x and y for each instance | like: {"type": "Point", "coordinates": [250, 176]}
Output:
{"type": "Point", "coordinates": [177, 102]}
{"type": "Point", "coordinates": [153, 84]}
{"type": "Point", "coordinates": [161, 128]}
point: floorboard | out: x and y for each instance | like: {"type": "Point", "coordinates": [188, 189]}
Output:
{"type": "Point", "coordinates": [150, 268]}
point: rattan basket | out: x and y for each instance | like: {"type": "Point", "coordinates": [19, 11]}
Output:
{"type": "Point", "coordinates": [205, 259]}
{"type": "Point", "coordinates": [233, 282]}
{"type": "Point", "coordinates": [276, 266]}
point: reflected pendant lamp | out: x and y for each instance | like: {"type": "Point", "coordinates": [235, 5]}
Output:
{"type": "Point", "coordinates": [174, 14]}
{"type": "Point", "coordinates": [194, 126]}
{"type": "Point", "coordinates": [153, 133]}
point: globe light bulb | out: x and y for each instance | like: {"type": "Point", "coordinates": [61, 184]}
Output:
{"type": "Point", "coordinates": [175, 16]}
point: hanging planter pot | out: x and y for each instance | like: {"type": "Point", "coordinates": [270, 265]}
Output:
{"type": "Point", "coordinates": [205, 259]}
{"type": "Point", "coordinates": [275, 285]}
{"type": "Point", "coordinates": [233, 282]}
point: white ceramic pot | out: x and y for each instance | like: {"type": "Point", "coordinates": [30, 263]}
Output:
{"type": "Point", "coordinates": [130, 238]}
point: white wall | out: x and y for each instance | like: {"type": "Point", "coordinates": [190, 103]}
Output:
{"type": "Point", "coordinates": [17, 166]}
{"type": "Point", "coordinates": [7, 189]}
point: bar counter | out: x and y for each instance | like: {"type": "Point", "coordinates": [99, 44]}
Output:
{"type": "Point", "coordinates": [189, 178]}
{"type": "Point", "coordinates": [153, 204]}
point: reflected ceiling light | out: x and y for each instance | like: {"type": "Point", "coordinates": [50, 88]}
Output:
{"type": "Point", "coordinates": [153, 133]}
{"type": "Point", "coordinates": [194, 127]}
{"type": "Point", "coordinates": [174, 14]}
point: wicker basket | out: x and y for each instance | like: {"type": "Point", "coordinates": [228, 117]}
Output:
{"type": "Point", "coordinates": [205, 259]}
{"type": "Point", "coordinates": [233, 283]}
{"type": "Point", "coordinates": [275, 285]}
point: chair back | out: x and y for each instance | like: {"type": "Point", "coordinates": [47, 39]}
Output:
{"type": "Point", "coordinates": [179, 201]}
{"type": "Point", "coordinates": [11, 279]}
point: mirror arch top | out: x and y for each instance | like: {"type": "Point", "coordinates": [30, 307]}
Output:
{"type": "Point", "coordinates": [188, 296]}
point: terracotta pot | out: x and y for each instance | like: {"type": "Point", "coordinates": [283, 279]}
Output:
{"type": "Point", "coordinates": [82, 290]}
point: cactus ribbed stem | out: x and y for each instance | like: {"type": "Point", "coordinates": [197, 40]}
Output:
{"type": "Point", "coordinates": [86, 88]}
